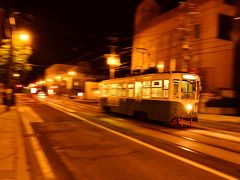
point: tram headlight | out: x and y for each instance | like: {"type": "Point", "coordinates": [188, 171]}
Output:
{"type": "Point", "coordinates": [189, 107]}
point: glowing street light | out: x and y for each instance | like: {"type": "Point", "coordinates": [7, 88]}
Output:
{"type": "Point", "coordinates": [24, 37]}
{"type": "Point", "coordinates": [16, 75]}
{"type": "Point", "coordinates": [49, 80]}
{"type": "Point", "coordinates": [72, 73]}
{"type": "Point", "coordinates": [58, 77]}
{"type": "Point", "coordinates": [160, 67]}
{"type": "Point", "coordinates": [113, 61]}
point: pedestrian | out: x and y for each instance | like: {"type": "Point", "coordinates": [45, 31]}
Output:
{"type": "Point", "coordinates": [9, 99]}
{"type": "Point", "coordinates": [4, 98]}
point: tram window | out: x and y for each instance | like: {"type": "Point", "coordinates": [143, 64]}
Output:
{"type": "Point", "coordinates": [123, 89]}
{"type": "Point", "coordinates": [188, 89]}
{"type": "Point", "coordinates": [146, 89]}
{"type": "Point", "coordinates": [107, 89]}
{"type": "Point", "coordinates": [119, 90]}
{"type": "Point", "coordinates": [146, 83]}
{"type": "Point", "coordinates": [176, 88]}
{"type": "Point", "coordinates": [113, 90]}
{"type": "Point", "coordinates": [165, 88]}
{"type": "Point", "coordinates": [138, 89]}
{"type": "Point", "coordinates": [130, 89]}
{"type": "Point", "coordinates": [157, 88]}
{"type": "Point", "coordinates": [198, 89]}
{"type": "Point", "coordinates": [104, 90]}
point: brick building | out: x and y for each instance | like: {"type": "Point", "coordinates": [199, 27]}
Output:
{"type": "Point", "coordinates": [196, 36]}
{"type": "Point", "coordinates": [70, 78]}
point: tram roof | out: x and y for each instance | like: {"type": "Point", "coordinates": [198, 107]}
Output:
{"type": "Point", "coordinates": [148, 75]}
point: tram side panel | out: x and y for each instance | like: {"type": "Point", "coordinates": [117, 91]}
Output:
{"type": "Point", "coordinates": [160, 110]}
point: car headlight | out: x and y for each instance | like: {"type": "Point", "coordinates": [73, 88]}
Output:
{"type": "Point", "coordinates": [189, 107]}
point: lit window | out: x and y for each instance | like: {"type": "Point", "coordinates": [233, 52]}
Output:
{"type": "Point", "coordinates": [138, 89]}
{"type": "Point", "coordinates": [146, 89]}
{"type": "Point", "coordinates": [165, 88]}
{"type": "Point", "coordinates": [157, 88]}
{"type": "Point", "coordinates": [176, 83]}
{"type": "Point", "coordinates": [130, 89]}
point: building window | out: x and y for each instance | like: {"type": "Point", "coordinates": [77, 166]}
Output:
{"type": "Point", "coordinates": [225, 27]}
{"type": "Point", "coordinates": [173, 65]}
{"type": "Point", "coordinates": [230, 2]}
{"type": "Point", "coordinates": [197, 31]}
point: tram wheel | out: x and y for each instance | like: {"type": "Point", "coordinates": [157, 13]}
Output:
{"type": "Point", "coordinates": [141, 116]}
{"type": "Point", "coordinates": [106, 109]}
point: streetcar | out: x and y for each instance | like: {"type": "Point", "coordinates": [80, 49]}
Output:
{"type": "Point", "coordinates": [166, 97]}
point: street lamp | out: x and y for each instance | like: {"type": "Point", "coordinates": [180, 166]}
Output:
{"type": "Point", "coordinates": [10, 66]}
{"type": "Point", "coordinates": [16, 75]}
{"type": "Point", "coordinates": [113, 60]}
{"type": "Point", "coordinates": [70, 82]}
{"type": "Point", "coordinates": [17, 41]}
{"type": "Point", "coordinates": [71, 73]}
{"type": "Point", "coordinates": [24, 37]}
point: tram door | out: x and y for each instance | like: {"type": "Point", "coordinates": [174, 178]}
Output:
{"type": "Point", "coordinates": [176, 88]}
{"type": "Point", "coordinates": [113, 98]}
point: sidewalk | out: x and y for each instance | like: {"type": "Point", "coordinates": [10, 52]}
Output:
{"type": "Point", "coordinates": [222, 118]}
{"type": "Point", "coordinates": [13, 161]}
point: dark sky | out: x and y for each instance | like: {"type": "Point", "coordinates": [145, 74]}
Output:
{"type": "Point", "coordinates": [76, 30]}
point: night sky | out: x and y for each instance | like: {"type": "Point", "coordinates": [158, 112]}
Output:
{"type": "Point", "coordinates": [75, 30]}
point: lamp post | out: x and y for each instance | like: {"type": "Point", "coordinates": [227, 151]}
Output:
{"type": "Point", "coordinates": [70, 82]}
{"type": "Point", "coordinates": [17, 40]}
{"type": "Point", "coordinates": [113, 60]}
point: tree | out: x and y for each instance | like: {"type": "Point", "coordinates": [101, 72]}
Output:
{"type": "Point", "coordinates": [19, 52]}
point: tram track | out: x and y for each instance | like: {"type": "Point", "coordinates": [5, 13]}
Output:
{"type": "Point", "coordinates": [178, 134]}
{"type": "Point", "coordinates": [173, 136]}
{"type": "Point", "coordinates": [173, 131]}
{"type": "Point", "coordinates": [180, 150]}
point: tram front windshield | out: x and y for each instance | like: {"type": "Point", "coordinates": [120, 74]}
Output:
{"type": "Point", "coordinates": [189, 89]}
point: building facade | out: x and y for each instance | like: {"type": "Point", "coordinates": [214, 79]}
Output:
{"type": "Point", "coordinates": [196, 37]}
{"type": "Point", "coordinates": [69, 79]}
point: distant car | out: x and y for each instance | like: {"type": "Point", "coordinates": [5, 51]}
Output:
{"type": "Point", "coordinates": [41, 94]}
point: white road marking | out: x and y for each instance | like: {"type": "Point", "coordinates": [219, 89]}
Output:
{"type": "Point", "coordinates": [37, 149]}
{"type": "Point", "coordinates": [195, 164]}
{"type": "Point", "coordinates": [59, 106]}
{"type": "Point", "coordinates": [75, 104]}
{"type": "Point", "coordinates": [31, 115]}
{"type": "Point", "coordinates": [218, 135]}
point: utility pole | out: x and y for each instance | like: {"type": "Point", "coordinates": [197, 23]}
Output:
{"type": "Point", "coordinates": [9, 93]}
{"type": "Point", "coordinates": [236, 32]}
{"type": "Point", "coordinates": [10, 61]}
{"type": "Point", "coordinates": [113, 60]}
{"type": "Point", "coordinates": [187, 28]}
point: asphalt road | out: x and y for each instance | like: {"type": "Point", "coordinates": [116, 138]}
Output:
{"type": "Point", "coordinates": [80, 142]}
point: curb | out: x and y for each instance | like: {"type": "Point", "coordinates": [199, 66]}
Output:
{"type": "Point", "coordinates": [222, 118]}
{"type": "Point", "coordinates": [22, 171]}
